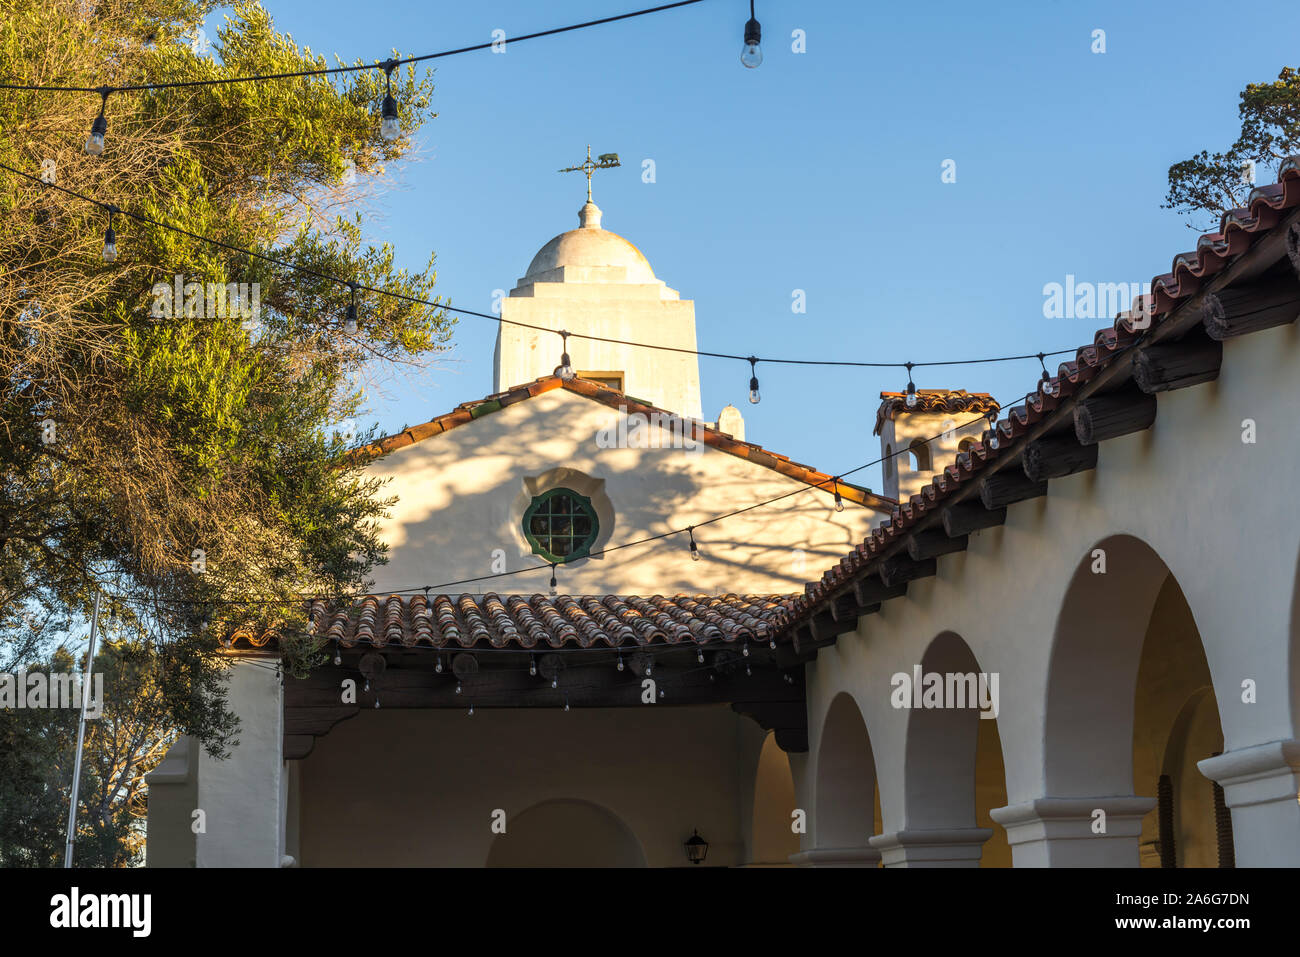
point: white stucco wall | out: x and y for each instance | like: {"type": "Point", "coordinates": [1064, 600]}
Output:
{"type": "Point", "coordinates": [461, 496]}
{"type": "Point", "coordinates": [1219, 513]}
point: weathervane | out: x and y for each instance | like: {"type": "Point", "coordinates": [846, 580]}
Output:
{"type": "Point", "coordinates": [603, 161]}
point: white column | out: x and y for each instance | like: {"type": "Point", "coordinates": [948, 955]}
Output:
{"type": "Point", "coordinates": [1075, 832]}
{"type": "Point", "coordinates": [1261, 785]}
{"type": "Point", "coordinates": [932, 847]}
{"type": "Point", "coordinates": [837, 857]}
{"type": "Point", "coordinates": [241, 796]}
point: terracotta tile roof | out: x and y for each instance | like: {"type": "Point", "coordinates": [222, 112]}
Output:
{"type": "Point", "coordinates": [933, 402]}
{"type": "Point", "coordinates": [1239, 228]}
{"type": "Point", "coordinates": [469, 411]}
{"type": "Point", "coordinates": [533, 621]}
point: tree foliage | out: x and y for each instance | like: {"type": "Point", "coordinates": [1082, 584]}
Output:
{"type": "Point", "coordinates": [190, 465]}
{"type": "Point", "coordinates": [1208, 184]}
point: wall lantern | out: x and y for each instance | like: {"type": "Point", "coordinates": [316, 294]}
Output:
{"type": "Point", "coordinates": [697, 848]}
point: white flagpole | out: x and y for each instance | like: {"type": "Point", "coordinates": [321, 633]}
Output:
{"type": "Point", "coordinates": [81, 738]}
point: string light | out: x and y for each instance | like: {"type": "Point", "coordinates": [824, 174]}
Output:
{"type": "Point", "coordinates": [95, 142]}
{"type": "Point", "coordinates": [754, 396]}
{"type": "Point", "coordinates": [458, 689]}
{"type": "Point", "coordinates": [471, 709]}
{"type": "Point", "coordinates": [532, 666]}
{"type": "Point", "coordinates": [390, 128]}
{"type": "Point", "coordinates": [110, 238]}
{"type": "Point", "coordinates": [350, 324]}
{"type": "Point", "coordinates": [839, 502]}
{"type": "Point", "coordinates": [1045, 381]}
{"type": "Point", "coordinates": [565, 369]}
{"type": "Point", "coordinates": [555, 681]}
{"type": "Point", "coordinates": [699, 655]}
{"type": "Point", "coordinates": [438, 666]}
{"type": "Point", "coordinates": [695, 549]}
{"type": "Point", "coordinates": [338, 656]}
{"type": "Point", "coordinates": [620, 662]}
{"type": "Point", "coordinates": [553, 589]}
{"type": "Point", "coordinates": [745, 648]}
{"type": "Point", "coordinates": [911, 399]}
{"type": "Point", "coordinates": [566, 702]}
{"type": "Point", "coordinates": [752, 55]}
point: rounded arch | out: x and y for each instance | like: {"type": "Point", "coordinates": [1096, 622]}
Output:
{"type": "Point", "coordinates": [773, 839]}
{"type": "Point", "coordinates": [846, 809]}
{"type": "Point", "coordinates": [920, 451]}
{"type": "Point", "coordinates": [566, 832]}
{"type": "Point", "coordinates": [953, 766]}
{"type": "Point", "coordinates": [1093, 669]}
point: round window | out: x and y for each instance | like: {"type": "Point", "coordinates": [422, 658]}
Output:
{"type": "Point", "coordinates": [561, 525]}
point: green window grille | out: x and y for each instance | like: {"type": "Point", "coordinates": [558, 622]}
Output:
{"type": "Point", "coordinates": [561, 525]}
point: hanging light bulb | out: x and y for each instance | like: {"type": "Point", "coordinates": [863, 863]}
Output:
{"type": "Point", "coordinates": [555, 681]}
{"type": "Point", "coordinates": [110, 238]}
{"type": "Point", "coordinates": [839, 502]}
{"type": "Point", "coordinates": [532, 666]}
{"type": "Point", "coordinates": [565, 369]}
{"type": "Point", "coordinates": [745, 649]}
{"type": "Point", "coordinates": [553, 589]}
{"type": "Point", "coordinates": [457, 687]}
{"type": "Point", "coordinates": [754, 397]}
{"type": "Point", "coordinates": [772, 644]}
{"type": "Point", "coordinates": [661, 693]}
{"type": "Point", "coordinates": [1044, 381]}
{"type": "Point", "coordinates": [620, 662]}
{"type": "Point", "coordinates": [376, 704]}
{"type": "Point", "coordinates": [747, 671]}
{"type": "Point", "coordinates": [649, 668]}
{"type": "Point", "coordinates": [752, 55]}
{"type": "Point", "coordinates": [471, 709]}
{"type": "Point", "coordinates": [695, 549]}
{"type": "Point", "coordinates": [367, 687]}
{"type": "Point", "coordinates": [699, 655]}
{"type": "Point", "coordinates": [566, 702]}
{"type": "Point", "coordinates": [390, 128]}
{"type": "Point", "coordinates": [438, 666]}
{"type": "Point", "coordinates": [338, 658]}
{"type": "Point", "coordinates": [95, 142]}
{"type": "Point", "coordinates": [911, 389]}
{"type": "Point", "coordinates": [350, 324]}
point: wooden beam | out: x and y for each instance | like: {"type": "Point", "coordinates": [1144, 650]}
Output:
{"type": "Point", "coordinates": [902, 569]}
{"type": "Point", "coordinates": [933, 543]}
{"type": "Point", "coordinates": [825, 629]}
{"type": "Point", "coordinates": [1241, 310]}
{"type": "Point", "coordinates": [1056, 457]}
{"type": "Point", "coordinates": [965, 517]}
{"type": "Point", "coordinates": [1109, 416]}
{"type": "Point", "coordinates": [1192, 360]}
{"type": "Point", "coordinates": [1008, 487]}
{"type": "Point", "coordinates": [788, 719]}
{"type": "Point", "coordinates": [871, 591]}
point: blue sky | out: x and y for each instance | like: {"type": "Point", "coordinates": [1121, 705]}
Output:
{"type": "Point", "coordinates": [818, 171]}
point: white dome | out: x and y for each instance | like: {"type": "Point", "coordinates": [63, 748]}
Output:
{"type": "Point", "coordinates": [590, 247]}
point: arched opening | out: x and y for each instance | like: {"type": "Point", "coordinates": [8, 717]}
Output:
{"type": "Point", "coordinates": [774, 839]}
{"type": "Point", "coordinates": [954, 773]}
{"type": "Point", "coordinates": [848, 799]}
{"type": "Point", "coordinates": [1130, 706]}
{"type": "Point", "coordinates": [566, 833]}
{"type": "Point", "coordinates": [920, 453]}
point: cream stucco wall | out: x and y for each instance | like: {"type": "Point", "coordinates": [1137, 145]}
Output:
{"type": "Point", "coordinates": [461, 497]}
{"type": "Point", "coordinates": [419, 788]}
{"type": "Point", "coordinates": [1216, 512]}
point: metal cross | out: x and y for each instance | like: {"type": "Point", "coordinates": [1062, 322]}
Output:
{"type": "Point", "coordinates": [603, 161]}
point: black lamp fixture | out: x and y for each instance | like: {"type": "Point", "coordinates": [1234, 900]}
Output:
{"type": "Point", "coordinates": [697, 848]}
